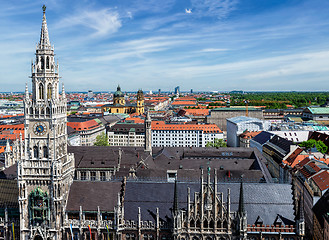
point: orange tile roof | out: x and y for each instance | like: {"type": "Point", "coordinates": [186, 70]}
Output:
{"type": "Point", "coordinates": [207, 128]}
{"type": "Point", "coordinates": [197, 112]}
{"type": "Point", "coordinates": [182, 103]}
{"type": "Point", "coordinates": [83, 126]}
{"type": "Point", "coordinates": [9, 116]}
{"type": "Point", "coordinates": [249, 135]}
{"type": "Point", "coordinates": [12, 127]}
{"type": "Point", "coordinates": [185, 99]}
{"type": "Point", "coordinates": [294, 158]}
{"type": "Point", "coordinates": [134, 119]}
{"type": "Point", "coordinates": [322, 180]}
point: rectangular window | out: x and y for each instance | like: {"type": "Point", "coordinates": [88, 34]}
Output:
{"type": "Point", "coordinates": [83, 176]}
{"type": "Point", "coordinates": [102, 175]}
{"type": "Point", "coordinates": [92, 176]}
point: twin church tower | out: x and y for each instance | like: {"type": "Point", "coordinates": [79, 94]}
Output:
{"type": "Point", "coordinates": [45, 169]}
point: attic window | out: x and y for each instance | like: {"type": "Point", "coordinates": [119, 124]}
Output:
{"type": "Point", "coordinates": [259, 221]}
{"type": "Point", "coordinates": [171, 176]}
{"type": "Point", "coordinates": [91, 162]}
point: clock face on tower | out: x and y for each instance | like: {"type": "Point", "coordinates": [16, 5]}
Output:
{"type": "Point", "coordinates": [39, 129]}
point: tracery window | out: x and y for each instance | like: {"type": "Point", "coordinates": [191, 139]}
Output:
{"type": "Point", "coordinates": [45, 152]}
{"type": "Point", "coordinates": [35, 152]}
{"type": "Point", "coordinates": [49, 91]}
{"type": "Point", "coordinates": [39, 207]}
{"type": "Point", "coordinates": [41, 90]}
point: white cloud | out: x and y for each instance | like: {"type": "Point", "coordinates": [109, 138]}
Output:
{"type": "Point", "coordinates": [104, 21]}
{"type": "Point", "coordinates": [213, 8]}
{"type": "Point", "coordinates": [214, 50]}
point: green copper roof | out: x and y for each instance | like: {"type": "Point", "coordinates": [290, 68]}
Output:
{"type": "Point", "coordinates": [319, 110]}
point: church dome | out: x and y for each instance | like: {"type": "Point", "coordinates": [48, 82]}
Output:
{"type": "Point", "coordinates": [118, 93]}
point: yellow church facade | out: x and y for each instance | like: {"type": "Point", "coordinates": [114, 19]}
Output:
{"type": "Point", "coordinates": [119, 104]}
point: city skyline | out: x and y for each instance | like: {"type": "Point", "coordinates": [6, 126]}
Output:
{"type": "Point", "coordinates": [200, 44]}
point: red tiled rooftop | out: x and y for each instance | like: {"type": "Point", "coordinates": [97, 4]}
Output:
{"type": "Point", "coordinates": [322, 180]}
{"type": "Point", "coordinates": [184, 103]}
{"type": "Point", "coordinates": [160, 125]}
{"type": "Point", "coordinates": [82, 126]}
{"type": "Point", "coordinates": [197, 112]}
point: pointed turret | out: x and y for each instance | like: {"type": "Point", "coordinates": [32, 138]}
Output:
{"type": "Point", "coordinates": [44, 36]}
{"type": "Point", "coordinates": [241, 210]}
{"type": "Point", "coordinates": [175, 205]}
{"type": "Point", "coordinates": [148, 134]}
{"type": "Point", "coordinates": [26, 92]}
{"type": "Point", "coordinates": [63, 91]}
{"type": "Point", "coordinates": [300, 219]}
{"type": "Point", "coordinates": [7, 150]}
{"type": "Point", "coordinates": [242, 216]}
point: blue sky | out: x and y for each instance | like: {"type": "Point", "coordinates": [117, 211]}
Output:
{"type": "Point", "coordinates": [219, 45]}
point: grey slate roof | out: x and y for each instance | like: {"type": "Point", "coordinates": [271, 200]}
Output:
{"type": "Point", "coordinates": [90, 195]}
{"type": "Point", "coordinates": [261, 199]}
{"type": "Point", "coordinates": [262, 137]}
{"type": "Point", "coordinates": [8, 193]}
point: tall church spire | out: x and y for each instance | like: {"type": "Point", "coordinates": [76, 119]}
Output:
{"type": "Point", "coordinates": [241, 201]}
{"type": "Point", "coordinates": [44, 36]}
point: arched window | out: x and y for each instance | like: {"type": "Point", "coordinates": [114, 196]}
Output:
{"type": "Point", "coordinates": [205, 224]}
{"type": "Point", "coordinates": [192, 223]}
{"type": "Point", "coordinates": [49, 91]}
{"type": "Point", "coordinates": [35, 152]}
{"type": "Point", "coordinates": [42, 63]}
{"type": "Point", "coordinates": [31, 110]}
{"type": "Point", "coordinates": [41, 91]}
{"type": "Point", "coordinates": [211, 224]}
{"type": "Point", "coordinates": [198, 224]}
{"type": "Point", "coordinates": [48, 111]}
{"type": "Point", "coordinates": [47, 63]}
{"type": "Point", "coordinates": [45, 152]}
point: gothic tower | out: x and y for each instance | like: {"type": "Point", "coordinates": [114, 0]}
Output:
{"type": "Point", "coordinates": [45, 169]}
{"type": "Point", "coordinates": [140, 102]}
{"type": "Point", "coordinates": [241, 216]}
{"type": "Point", "coordinates": [148, 133]}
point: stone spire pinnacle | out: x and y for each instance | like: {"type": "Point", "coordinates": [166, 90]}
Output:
{"type": "Point", "coordinates": [44, 36]}
{"type": "Point", "coordinates": [63, 91]}
{"type": "Point", "coordinates": [175, 207]}
{"type": "Point", "coordinates": [241, 210]}
{"type": "Point", "coordinates": [26, 91]}
{"type": "Point", "coordinates": [7, 146]}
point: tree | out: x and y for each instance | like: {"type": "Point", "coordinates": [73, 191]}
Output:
{"type": "Point", "coordinates": [216, 143]}
{"type": "Point", "coordinates": [320, 146]}
{"type": "Point", "coordinates": [101, 140]}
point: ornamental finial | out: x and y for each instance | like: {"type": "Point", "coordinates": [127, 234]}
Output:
{"type": "Point", "coordinates": [44, 8]}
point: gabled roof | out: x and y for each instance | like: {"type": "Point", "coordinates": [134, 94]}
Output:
{"type": "Point", "coordinates": [294, 157]}
{"type": "Point", "coordinates": [8, 193]}
{"type": "Point", "coordinates": [322, 180]}
{"type": "Point", "coordinates": [319, 110]}
{"type": "Point", "coordinates": [264, 200]}
{"type": "Point", "coordinates": [160, 125]}
{"type": "Point", "coordinates": [84, 126]}
{"type": "Point", "coordinates": [263, 137]}
{"type": "Point", "coordinates": [90, 195]}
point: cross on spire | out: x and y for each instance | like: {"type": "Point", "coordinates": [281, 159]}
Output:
{"type": "Point", "coordinates": [44, 43]}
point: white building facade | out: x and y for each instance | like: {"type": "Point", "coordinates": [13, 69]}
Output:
{"type": "Point", "coordinates": [184, 135]}
{"type": "Point", "coordinates": [237, 125]}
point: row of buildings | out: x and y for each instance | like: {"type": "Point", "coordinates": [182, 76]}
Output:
{"type": "Point", "coordinates": [53, 191]}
